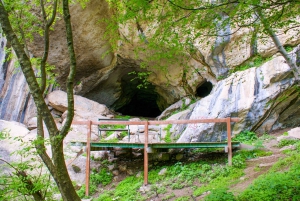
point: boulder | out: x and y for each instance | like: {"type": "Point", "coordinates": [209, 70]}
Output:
{"type": "Point", "coordinates": [58, 100]}
{"type": "Point", "coordinates": [13, 133]}
{"type": "Point", "coordinates": [32, 123]}
{"type": "Point", "coordinates": [260, 97]}
{"type": "Point", "coordinates": [175, 107]}
{"type": "Point", "coordinates": [295, 132]}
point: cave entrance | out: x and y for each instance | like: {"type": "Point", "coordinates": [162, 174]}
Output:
{"type": "Point", "coordinates": [140, 102]}
{"type": "Point", "coordinates": [204, 89]}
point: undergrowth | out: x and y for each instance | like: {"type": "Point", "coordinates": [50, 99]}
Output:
{"type": "Point", "coordinates": [214, 175]}
{"type": "Point", "coordinates": [282, 182]}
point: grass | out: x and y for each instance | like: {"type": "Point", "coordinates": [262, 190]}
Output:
{"type": "Point", "coordinates": [277, 184]}
{"type": "Point", "coordinates": [287, 142]}
{"type": "Point", "coordinates": [253, 62]}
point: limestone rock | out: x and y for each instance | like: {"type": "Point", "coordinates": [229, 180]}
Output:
{"type": "Point", "coordinates": [253, 96]}
{"type": "Point", "coordinates": [176, 106]}
{"type": "Point", "coordinates": [76, 169]}
{"type": "Point", "coordinates": [122, 168]}
{"type": "Point", "coordinates": [80, 162]}
{"type": "Point", "coordinates": [289, 147]}
{"type": "Point", "coordinates": [32, 123]}
{"type": "Point", "coordinates": [295, 132]}
{"type": "Point", "coordinates": [8, 145]}
{"type": "Point", "coordinates": [117, 178]}
{"type": "Point", "coordinates": [115, 172]}
{"type": "Point", "coordinates": [162, 171]}
{"type": "Point", "coordinates": [58, 100]}
{"type": "Point", "coordinates": [129, 172]}
{"type": "Point", "coordinates": [282, 137]}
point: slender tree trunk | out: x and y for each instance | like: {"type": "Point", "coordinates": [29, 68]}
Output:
{"type": "Point", "coordinates": [63, 180]}
{"type": "Point", "coordinates": [56, 166]}
{"type": "Point", "coordinates": [278, 44]}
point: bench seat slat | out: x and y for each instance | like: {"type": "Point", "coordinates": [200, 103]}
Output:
{"type": "Point", "coordinates": [108, 129]}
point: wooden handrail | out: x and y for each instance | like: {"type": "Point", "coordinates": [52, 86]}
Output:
{"type": "Point", "coordinates": [227, 120]}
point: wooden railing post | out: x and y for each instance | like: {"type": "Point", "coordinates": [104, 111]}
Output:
{"type": "Point", "coordinates": [146, 154]}
{"type": "Point", "coordinates": [228, 122]}
{"type": "Point", "coordinates": [88, 153]}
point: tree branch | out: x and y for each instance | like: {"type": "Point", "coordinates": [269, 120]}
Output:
{"type": "Point", "coordinates": [27, 71]}
{"type": "Point", "coordinates": [47, 25]}
{"type": "Point", "coordinates": [70, 80]}
{"type": "Point", "coordinates": [212, 6]}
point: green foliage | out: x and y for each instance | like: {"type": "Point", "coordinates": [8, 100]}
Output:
{"type": "Point", "coordinates": [183, 198]}
{"type": "Point", "coordinates": [81, 192]}
{"type": "Point", "coordinates": [161, 190]}
{"type": "Point", "coordinates": [220, 194]}
{"type": "Point", "coordinates": [245, 137]}
{"type": "Point", "coordinates": [285, 134]}
{"type": "Point", "coordinates": [125, 117]}
{"type": "Point", "coordinates": [4, 134]}
{"type": "Point", "coordinates": [22, 178]}
{"type": "Point", "coordinates": [142, 78]}
{"type": "Point", "coordinates": [128, 189]}
{"type": "Point", "coordinates": [266, 137]}
{"type": "Point", "coordinates": [167, 197]}
{"type": "Point", "coordinates": [168, 134]}
{"type": "Point", "coordinates": [219, 179]}
{"type": "Point", "coordinates": [104, 177]}
{"type": "Point", "coordinates": [275, 186]}
{"type": "Point", "coordinates": [114, 140]}
{"type": "Point", "coordinates": [253, 62]}
{"type": "Point", "coordinates": [287, 142]}
{"type": "Point", "coordinates": [241, 156]}
{"type": "Point", "coordinates": [177, 185]}
{"type": "Point", "coordinates": [288, 48]}
{"type": "Point", "coordinates": [118, 126]}
{"type": "Point", "coordinates": [221, 77]}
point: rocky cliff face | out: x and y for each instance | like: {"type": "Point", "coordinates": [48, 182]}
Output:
{"type": "Point", "coordinates": [15, 101]}
{"type": "Point", "coordinates": [106, 77]}
{"type": "Point", "coordinates": [103, 75]}
{"type": "Point", "coordinates": [263, 98]}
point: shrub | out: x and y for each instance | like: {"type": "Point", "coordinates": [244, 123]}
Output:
{"type": "Point", "coordinates": [246, 137]}
{"type": "Point", "coordinates": [286, 142]}
{"type": "Point", "coordinates": [220, 195]}
{"type": "Point", "coordinates": [103, 177]}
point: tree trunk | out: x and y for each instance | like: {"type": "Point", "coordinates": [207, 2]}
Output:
{"type": "Point", "coordinates": [62, 179]}
{"type": "Point", "coordinates": [58, 168]}
{"type": "Point", "coordinates": [278, 44]}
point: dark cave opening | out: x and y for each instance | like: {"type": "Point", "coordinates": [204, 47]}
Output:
{"type": "Point", "coordinates": [138, 101]}
{"type": "Point", "coordinates": [142, 104]}
{"type": "Point", "coordinates": [204, 89]}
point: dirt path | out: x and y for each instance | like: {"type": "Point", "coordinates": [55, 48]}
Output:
{"type": "Point", "coordinates": [259, 166]}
